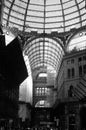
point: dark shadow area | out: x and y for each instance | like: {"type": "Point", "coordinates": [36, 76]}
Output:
{"type": "Point", "coordinates": [83, 117]}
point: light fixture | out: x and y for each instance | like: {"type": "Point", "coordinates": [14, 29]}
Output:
{"type": "Point", "coordinates": [7, 33]}
{"type": "Point", "coordinates": [80, 34]}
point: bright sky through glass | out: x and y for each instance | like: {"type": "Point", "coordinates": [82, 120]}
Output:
{"type": "Point", "coordinates": [51, 15]}
{"type": "Point", "coordinates": [78, 42]}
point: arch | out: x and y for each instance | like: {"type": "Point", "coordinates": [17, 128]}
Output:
{"type": "Point", "coordinates": [42, 103]}
{"type": "Point", "coordinates": [75, 32]}
{"type": "Point", "coordinates": [42, 71]}
{"type": "Point", "coordinates": [45, 36]}
{"type": "Point", "coordinates": [81, 32]}
{"type": "Point", "coordinates": [44, 50]}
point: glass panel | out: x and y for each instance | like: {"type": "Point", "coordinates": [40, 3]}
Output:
{"type": "Point", "coordinates": [72, 21]}
{"type": "Point", "coordinates": [16, 21]}
{"type": "Point", "coordinates": [70, 10]}
{"type": "Point", "coordinates": [54, 13]}
{"type": "Point", "coordinates": [70, 16]}
{"type": "Point", "coordinates": [35, 13]}
{"type": "Point", "coordinates": [19, 10]}
{"type": "Point", "coordinates": [21, 4]}
{"type": "Point", "coordinates": [52, 52]}
{"type": "Point", "coordinates": [78, 42]}
{"type": "Point", "coordinates": [68, 4]}
{"type": "Point", "coordinates": [36, 7]}
{"type": "Point", "coordinates": [15, 14]}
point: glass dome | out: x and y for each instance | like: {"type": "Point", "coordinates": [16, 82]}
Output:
{"type": "Point", "coordinates": [48, 15]}
{"type": "Point", "coordinates": [44, 16]}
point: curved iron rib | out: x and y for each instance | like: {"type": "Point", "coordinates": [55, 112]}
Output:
{"type": "Point", "coordinates": [10, 8]}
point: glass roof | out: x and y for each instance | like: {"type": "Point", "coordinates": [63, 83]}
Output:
{"type": "Point", "coordinates": [51, 15]}
{"type": "Point", "coordinates": [78, 42]}
{"type": "Point", "coordinates": [44, 52]}
{"type": "Point", "coordinates": [44, 16]}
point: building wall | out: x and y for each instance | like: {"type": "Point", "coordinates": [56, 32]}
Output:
{"type": "Point", "coordinates": [71, 62]}
{"type": "Point", "coordinates": [71, 90]}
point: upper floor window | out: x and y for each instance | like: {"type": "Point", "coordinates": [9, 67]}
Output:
{"type": "Point", "coordinates": [80, 70]}
{"type": "Point", "coordinates": [70, 91]}
{"type": "Point", "coordinates": [42, 91]}
{"type": "Point", "coordinates": [84, 58]}
{"type": "Point", "coordinates": [73, 72]}
{"type": "Point", "coordinates": [79, 59]}
{"type": "Point", "coordinates": [72, 61]}
{"type": "Point", "coordinates": [68, 73]}
{"type": "Point", "coordinates": [68, 61]}
{"type": "Point", "coordinates": [84, 69]}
